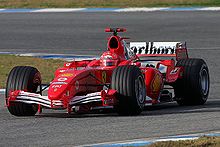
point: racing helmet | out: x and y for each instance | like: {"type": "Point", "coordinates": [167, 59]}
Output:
{"type": "Point", "coordinates": [109, 59]}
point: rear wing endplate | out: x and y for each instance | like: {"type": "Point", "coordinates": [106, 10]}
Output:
{"type": "Point", "coordinates": [169, 49]}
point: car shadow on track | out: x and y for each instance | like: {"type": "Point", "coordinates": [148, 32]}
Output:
{"type": "Point", "coordinates": [162, 109]}
{"type": "Point", "coordinates": [74, 115]}
{"type": "Point", "coordinates": [173, 108]}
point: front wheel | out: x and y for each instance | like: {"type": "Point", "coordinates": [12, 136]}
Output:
{"type": "Point", "coordinates": [129, 83]}
{"type": "Point", "coordinates": [22, 78]}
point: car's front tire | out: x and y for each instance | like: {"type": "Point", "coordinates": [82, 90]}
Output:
{"type": "Point", "coordinates": [129, 83]}
{"type": "Point", "coordinates": [22, 78]}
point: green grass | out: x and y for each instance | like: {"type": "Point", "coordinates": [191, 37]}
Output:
{"type": "Point", "coordinates": [104, 3]}
{"type": "Point", "coordinates": [46, 67]}
{"type": "Point", "coordinates": [201, 142]}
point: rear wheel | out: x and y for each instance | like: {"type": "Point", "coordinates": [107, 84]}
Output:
{"type": "Point", "coordinates": [22, 78]}
{"type": "Point", "coordinates": [193, 88]}
{"type": "Point", "coordinates": [129, 83]}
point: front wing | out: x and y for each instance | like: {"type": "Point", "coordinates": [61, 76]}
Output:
{"type": "Point", "coordinates": [32, 98]}
{"type": "Point", "coordinates": [101, 100]}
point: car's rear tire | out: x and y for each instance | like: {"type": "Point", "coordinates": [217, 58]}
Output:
{"type": "Point", "coordinates": [193, 87]}
{"type": "Point", "coordinates": [22, 78]}
{"type": "Point", "coordinates": [129, 83]}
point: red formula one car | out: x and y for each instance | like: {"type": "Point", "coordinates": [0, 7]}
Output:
{"type": "Point", "coordinates": [127, 77]}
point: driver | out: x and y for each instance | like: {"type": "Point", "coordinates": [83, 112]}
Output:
{"type": "Point", "coordinates": [109, 59]}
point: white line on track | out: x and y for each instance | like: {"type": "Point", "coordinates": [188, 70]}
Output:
{"type": "Point", "coordinates": [210, 9]}
{"type": "Point", "coordinates": [59, 10]}
{"type": "Point", "coordinates": [135, 9]}
{"type": "Point", "coordinates": [140, 9]}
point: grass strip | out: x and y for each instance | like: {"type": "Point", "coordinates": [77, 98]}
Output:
{"type": "Point", "coordinates": [46, 67]}
{"type": "Point", "coordinates": [201, 142]}
{"type": "Point", "coordinates": [104, 3]}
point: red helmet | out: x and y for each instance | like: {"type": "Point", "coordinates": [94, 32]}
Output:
{"type": "Point", "coordinates": [109, 59]}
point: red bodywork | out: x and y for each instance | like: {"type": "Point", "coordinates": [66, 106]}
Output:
{"type": "Point", "coordinates": [81, 78]}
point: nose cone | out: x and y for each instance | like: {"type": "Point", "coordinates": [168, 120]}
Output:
{"type": "Point", "coordinates": [59, 86]}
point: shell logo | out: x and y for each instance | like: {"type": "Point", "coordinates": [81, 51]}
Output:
{"type": "Point", "coordinates": [67, 75]}
{"type": "Point", "coordinates": [104, 76]}
{"type": "Point", "coordinates": [156, 84]}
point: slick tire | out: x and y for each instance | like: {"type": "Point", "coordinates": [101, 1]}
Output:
{"type": "Point", "coordinates": [22, 78]}
{"type": "Point", "coordinates": [193, 87]}
{"type": "Point", "coordinates": [129, 83]}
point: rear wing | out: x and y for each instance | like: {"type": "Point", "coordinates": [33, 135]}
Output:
{"type": "Point", "coordinates": [161, 49]}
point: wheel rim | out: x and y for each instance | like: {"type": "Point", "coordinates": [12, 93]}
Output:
{"type": "Point", "coordinates": [204, 81]}
{"type": "Point", "coordinates": [140, 90]}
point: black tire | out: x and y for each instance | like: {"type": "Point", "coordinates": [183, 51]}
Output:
{"type": "Point", "coordinates": [129, 83]}
{"type": "Point", "coordinates": [193, 88]}
{"type": "Point", "coordinates": [22, 78]}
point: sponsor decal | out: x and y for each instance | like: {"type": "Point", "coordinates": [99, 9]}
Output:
{"type": "Point", "coordinates": [68, 64]}
{"type": "Point", "coordinates": [77, 85]}
{"type": "Point", "coordinates": [138, 47]}
{"type": "Point", "coordinates": [62, 79]}
{"type": "Point", "coordinates": [59, 83]}
{"type": "Point", "coordinates": [156, 83]}
{"type": "Point", "coordinates": [67, 75]}
{"type": "Point", "coordinates": [56, 86]}
{"type": "Point", "coordinates": [153, 47]}
{"type": "Point", "coordinates": [104, 76]}
{"type": "Point", "coordinates": [174, 71]}
{"type": "Point", "coordinates": [29, 94]}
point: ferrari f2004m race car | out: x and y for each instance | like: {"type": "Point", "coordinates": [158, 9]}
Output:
{"type": "Point", "coordinates": [127, 77]}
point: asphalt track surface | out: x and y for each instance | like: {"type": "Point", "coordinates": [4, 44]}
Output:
{"type": "Point", "coordinates": [82, 33]}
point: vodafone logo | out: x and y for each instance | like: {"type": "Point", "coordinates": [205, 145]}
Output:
{"type": "Point", "coordinates": [62, 79]}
